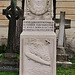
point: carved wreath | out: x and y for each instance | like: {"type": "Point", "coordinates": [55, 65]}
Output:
{"type": "Point", "coordinates": [32, 10]}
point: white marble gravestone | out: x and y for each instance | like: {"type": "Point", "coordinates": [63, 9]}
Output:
{"type": "Point", "coordinates": [38, 40]}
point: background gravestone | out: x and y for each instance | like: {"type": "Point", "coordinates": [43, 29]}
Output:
{"type": "Point", "coordinates": [10, 61]}
{"type": "Point", "coordinates": [12, 13]}
{"type": "Point", "coordinates": [62, 57]}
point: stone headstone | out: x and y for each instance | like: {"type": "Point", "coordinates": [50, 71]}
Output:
{"type": "Point", "coordinates": [10, 61]}
{"type": "Point", "coordinates": [38, 40]}
{"type": "Point", "coordinates": [12, 12]}
{"type": "Point", "coordinates": [62, 57]}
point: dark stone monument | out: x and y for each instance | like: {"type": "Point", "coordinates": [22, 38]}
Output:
{"type": "Point", "coordinates": [19, 28]}
{"type": "Point", "coordinates": [62, 57]}
{"type": "Point", "coordinates": [10, 61]}
{"type": "Point", "coordinates": [12, 13]}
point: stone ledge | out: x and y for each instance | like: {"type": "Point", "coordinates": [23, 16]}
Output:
{"type": "Point", "coordinates": [64, 64]}
{"type": "Point", "coordinates": [62, 57]}
{"type": "Point", "coordinates": [8, 69]}
{"type": "Point", "coordinates": [6, 62]}
{"type": "Point", "coordinates": [9, 63]}
{"type": "Point", "coordinates": [10, 55]}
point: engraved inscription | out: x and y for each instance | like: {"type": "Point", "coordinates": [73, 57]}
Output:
{"type": "Point", "coordinates": [38, 26]}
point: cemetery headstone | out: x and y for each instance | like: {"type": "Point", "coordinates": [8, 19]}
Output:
{"type": "Point", "coordinates": [62, 57]}
{"type": "Point", "coordinates": [19, 28]}
{"type": "Point", "coordinates": [10, 61]}
{"type": "Point", "coordinates": [12, 12]}
{"type": "Point", "coordinates": [38, 40]}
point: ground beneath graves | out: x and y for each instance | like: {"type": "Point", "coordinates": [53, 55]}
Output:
{"type": "Point", "coordinates": [9, 73]}
{"type": "Point", "coordinates": [60, 71]}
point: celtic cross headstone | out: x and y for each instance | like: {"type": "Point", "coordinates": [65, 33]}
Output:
{"type": "Point", "coordinates": [10, 62]}
{"type": "Point", "coordinates": [12, 12]}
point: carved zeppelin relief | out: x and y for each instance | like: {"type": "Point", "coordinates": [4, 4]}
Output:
{"type": "Point", "coordinates": [37, 57]}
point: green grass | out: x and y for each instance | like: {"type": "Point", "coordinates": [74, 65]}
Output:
{"type": "Point", "coordinates": [73, 66]}
{"type": "Point", "coordinates": [2, 56]}
{"type": "Point", "coordinates": [9, 73]}
{"type": "Point", "coordinates": [18, 56]}
{"type": "Point", "coordinates": [65, 71]}
{"type": "Point", "coordinates": [72, 60]}
{"type": "Point", "coordinates": [3, 48]}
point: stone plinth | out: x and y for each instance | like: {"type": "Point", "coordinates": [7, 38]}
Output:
{"type": "Point", "coordinates": [62, 58]}
{"type": "Point", "coordinates": [64, 64]}
{"type": "Point", "coordinates": [9, 63]}
{"type": "Point", "coordinates": [37, 53]}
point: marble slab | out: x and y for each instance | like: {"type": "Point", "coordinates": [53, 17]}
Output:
{"type": "Point", "coordinates": [37, 25]}
{"type": "Point", "coordinates": [38, 10]}
{"type": "Point", "coordinates": [38, 40]}
{"type": "Point", "coordinates": [38, 53]}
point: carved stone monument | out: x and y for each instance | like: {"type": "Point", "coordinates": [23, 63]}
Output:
{"type": "Point", "coordinates": [62, 56]}
{"type": "Point", "coordinates": [38, 40]}
{"type": "Point", "coordinates": [10, 61]}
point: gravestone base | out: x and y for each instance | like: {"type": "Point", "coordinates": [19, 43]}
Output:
{"type": "Point", "coordinates": [62, 58]}
{"type": "Point", "coordinates": [60, 50]}
{"type": "Point", "coordinates": [64, 64]}
{"type": "Point", "coordinates": [9, 63]}
{"type": "Point", "coordinates": [37, 53]}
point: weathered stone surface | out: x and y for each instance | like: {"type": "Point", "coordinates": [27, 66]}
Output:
{"type": "Point", "coordinates": [64, 64]}
{"type": "Point", "coordinates": [10, 55]}
{"type": "Point", "coordinates": [70, 49]}
{"type": "Point", "coordinates": [38, 25]}
{"type": "Point", "coordinates": [12, 12]}
{"type": "Point", "coordinates": [62, 57]}
{"type": "Point", "coordinates": [8, 69]}
{"type": "Point", "coordinates": [38, 55]}
{"type": "Point", "coordinates": [60, 50]}
{"type": "Point", "coordinates": [37, 41]}
{"type": "Point", "coordinates": [34, 10]}
{"type": "Point", "coordinates": [9, 63]}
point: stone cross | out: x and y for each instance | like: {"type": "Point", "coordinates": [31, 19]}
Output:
{"type": "Point", "coordinates": [62, 21]}
{"type": "Point", "coordinates": [12, 12]}
{"type": "Point", "coordinates": [62, 57]}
